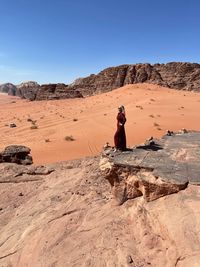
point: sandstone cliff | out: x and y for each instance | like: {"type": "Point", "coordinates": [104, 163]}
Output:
{"type": "Point", "coordinates": [177, 75]}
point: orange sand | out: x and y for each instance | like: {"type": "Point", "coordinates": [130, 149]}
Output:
{"type": "Point", "coordinates": [146, 105]}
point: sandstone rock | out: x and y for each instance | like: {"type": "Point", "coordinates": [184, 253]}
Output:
{"type": "Point", "coordinates": [177, 75]}
{"type": "Point", "coordinates": [56, 91]}
{"type": "Point", "coordinates": [16, 154]}
{"type": "Point", "coordinates": [156, 169]}
{"type": "Point", "coordinates": [13, 125]}
{"type": "Point", "coordinates": [27, 90]}
{"type": "Point", "coordinates": [8, 88]}
{"type": "Point", "coordinates": [67, 218]}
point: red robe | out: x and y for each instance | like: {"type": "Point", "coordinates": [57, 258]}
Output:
{"type": "Point", "coordinates": [120, 136]}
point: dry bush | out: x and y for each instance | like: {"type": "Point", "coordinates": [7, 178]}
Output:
{"type": "Point", "coordinates": [152, 116]}
{"type": "Point", "coordinates": [33, 127]}
{"type": "Point", "coordinates": [139, 107]}
{"type": "Point", "coordinates": [69, 138]}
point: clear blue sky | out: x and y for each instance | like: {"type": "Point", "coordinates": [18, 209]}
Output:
{"type": "Point", "coordinates": [60, 40]}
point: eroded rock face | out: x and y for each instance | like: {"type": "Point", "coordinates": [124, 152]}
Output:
{"type": "Point", "coordinates": [152, 171]}
{"type": "Point", "coordinates": [16, 154]}
{"type": "Point", "coordinates": [177, 75]}
{"type": "Point", "coordinates": [56, 91]}
{"type": "Point", "coordinates": [28, 90]}
{"type": "Point", "coordinates": [34, 91]}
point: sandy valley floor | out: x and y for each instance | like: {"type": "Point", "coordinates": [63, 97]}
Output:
{"type": "Point", "coordinates": [150, 111]}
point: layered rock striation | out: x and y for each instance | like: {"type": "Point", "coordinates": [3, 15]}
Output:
{"type": "Point", "coordinates": [154, 170]}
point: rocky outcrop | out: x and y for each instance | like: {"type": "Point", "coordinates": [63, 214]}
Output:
{"type": "Point", "coordinates": [16, 154]}
{"type": "Point", "coordinates": [154, 170]}
{"type": "Point", "coordinates": [177, 75]}
{"type": "Point", "coordinates": [56, 91]}
{"type": "Point", "coordinates": [64, 214]}
{"type": "Point", "coordinates": [33, 91]}
{"type": "Point", "coordinates": [27, 90]}
{"type": "Point", "coordinates": [8, 88]}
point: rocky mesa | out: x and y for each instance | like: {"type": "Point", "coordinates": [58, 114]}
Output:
{"type": "Point", "coordinates": [177, 75]}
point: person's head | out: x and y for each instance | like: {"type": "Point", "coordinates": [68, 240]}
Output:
{"type": "Point", "coordinates": [121, 109]}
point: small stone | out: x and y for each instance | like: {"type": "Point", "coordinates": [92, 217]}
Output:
{"type": "Point", "coordinates": [21, 194]}
{"type": "Point", "coordinates": [13, 125]}
{"type": "Point", "coordinates": [129, 259]}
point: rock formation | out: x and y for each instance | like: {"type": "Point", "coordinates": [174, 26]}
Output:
{"type": "Point", "coordinates": [27, 90]}
{"type": "Point", "coordinates": [33, 91]}
{"type": "Point", "coordinates": [56, 91]}
{"type": "Point", "coordinates": [8, 88]}
{"type": "Point", "coordinates": [177, 75]}
{"type": "Point", "coordinates": [153, 170]}
{"type": "Point", "coordinates": [16, 154]}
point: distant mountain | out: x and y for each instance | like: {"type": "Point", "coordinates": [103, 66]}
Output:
{"type": "Point", "coordinates": [33, 91]}
{"type": "Point", "coordinates": [177, 75]}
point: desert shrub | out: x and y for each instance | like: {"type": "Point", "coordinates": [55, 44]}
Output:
{"type": "Point", "coordinates": [152, 116]}
{"type": "Point", "coordinates": [33, 127]}
{"type": "Point", "coordinates": [69, 138]}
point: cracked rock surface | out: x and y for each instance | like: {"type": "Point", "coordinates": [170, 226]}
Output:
{"type": "Point", "coordinates": [164, 167]}
{"type": "Point", "coordinates": [64, 214]}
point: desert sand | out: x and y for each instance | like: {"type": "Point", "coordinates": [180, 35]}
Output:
{"type": "Point", "coordinates": [65, 214]}
{"type": "Point", "coordinates": [150, 111]}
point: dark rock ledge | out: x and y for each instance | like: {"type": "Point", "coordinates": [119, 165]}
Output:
{"type": "Point", "coordinates": [153, 170]}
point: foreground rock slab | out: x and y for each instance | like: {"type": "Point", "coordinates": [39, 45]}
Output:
{"type": "Point", "coordinates": [154, 169]}
{"type": "Point", "coordinates": [64, 214]}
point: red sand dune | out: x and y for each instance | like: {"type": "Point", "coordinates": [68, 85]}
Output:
{"type": "Point", "coordinates": [150, 111]}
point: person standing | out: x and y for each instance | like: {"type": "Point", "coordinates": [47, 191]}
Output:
{"type": "Point", "coordinates": [120, 135]}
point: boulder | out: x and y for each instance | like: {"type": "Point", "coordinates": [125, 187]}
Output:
{"type": "Point", "coordinates": [8, 88]}
{"type": "Point", "coordinates": [16, 154]}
